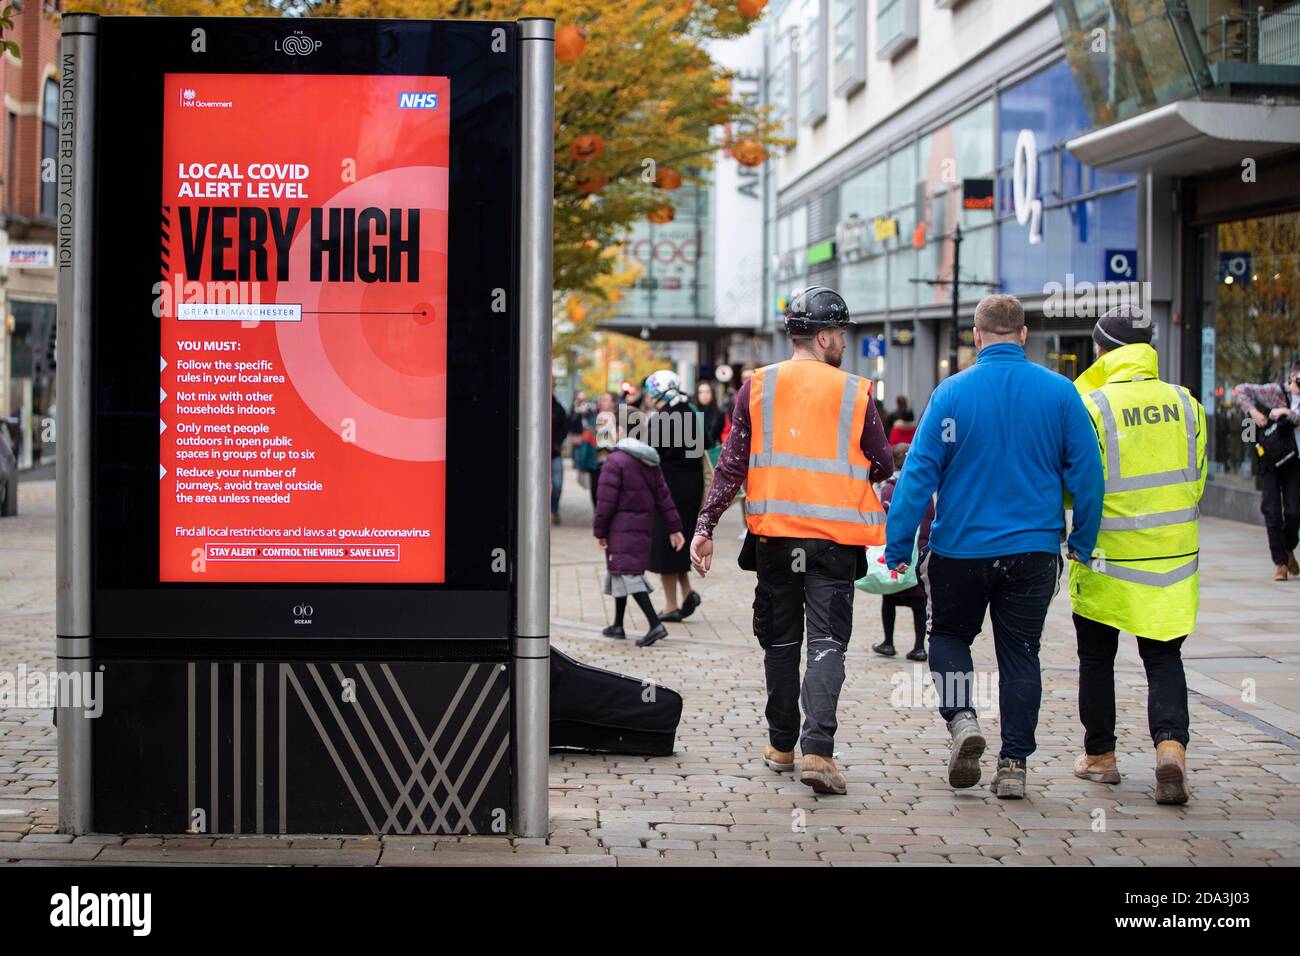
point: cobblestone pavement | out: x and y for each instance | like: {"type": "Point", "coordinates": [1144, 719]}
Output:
{"type": "Point", "coordinates": [715, 804]}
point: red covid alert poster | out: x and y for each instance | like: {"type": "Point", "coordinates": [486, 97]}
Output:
{"type": "Point", "coordinates": [303, 302]}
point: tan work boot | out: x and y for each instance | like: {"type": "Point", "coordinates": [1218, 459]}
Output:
{"type": "Point", "coordinates": [1291, 564]}
{"type": "Point", "coordinates": [820, 774]}
{"type": "Point", "coordinates": [1099, 768]}
{"type": "Point", "coordinates": [1279, 572]}
{"type": "Point", "coordinates": [782, 761]}
{"type": "Point", "coordinates": [1171, 772]}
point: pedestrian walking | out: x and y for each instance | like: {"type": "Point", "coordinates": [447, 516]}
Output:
{"type": "Point", "coordinates": [904, 429]}
{"type": "Point", "coordinates": [806, 437]}
{"type": "Point", "coordinates": [598, 438]}
{"type": "Point", "coordinates": [676, 432]}
{"type": "Point", "coordinates": [1280, 482]}
{"type": "Point", "coordinates": [1144, 577]}
{"type": "Point", "coordinates": [914, 597]}
{"type": "Point", "coordinates": [632, 493]}
{"type": "Point", "coordinates": [998, 443]}
{"type": "Point", "coordinates": [714, 420]}
{"type": "Point", "coordinates": [900, 409]}
{"type": "Point", "coordinates": [559, 431]}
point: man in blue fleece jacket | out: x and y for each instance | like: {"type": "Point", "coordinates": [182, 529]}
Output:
{"type": "Point", "coordinates": [1000, 443]}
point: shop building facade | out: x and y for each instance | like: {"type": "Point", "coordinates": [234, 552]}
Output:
{"type": "Point", "coordinates": [28, 198]}
{"type": "Point", "coordinates": [1034, 102]}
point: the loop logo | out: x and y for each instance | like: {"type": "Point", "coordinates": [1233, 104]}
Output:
{"type": "Point", "coordinates": [296, 44]}
{"type": "Point", "coordinates": [302, 613]}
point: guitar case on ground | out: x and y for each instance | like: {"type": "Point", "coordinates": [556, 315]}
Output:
{"type": "Point", "coordinates": [599, 711]}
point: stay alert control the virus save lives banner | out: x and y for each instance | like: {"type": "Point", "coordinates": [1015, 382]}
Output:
{"type": "Point", "coordinates": [303, 302]}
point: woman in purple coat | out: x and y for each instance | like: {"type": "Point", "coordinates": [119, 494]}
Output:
{"type": "Point", "coordinates": [630, 491]}
{"type": "Point", "coordinates": [913, 597]}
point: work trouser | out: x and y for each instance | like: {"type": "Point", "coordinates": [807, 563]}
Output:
{"type": "Point", "coordinates": [1280, 506]}
{"type": "Point", "coordinates": [1166, 686]}
{"type": "Point", "coordinates": [802, 578]}
{"type": "Point", "coordinates": [1016, 589]}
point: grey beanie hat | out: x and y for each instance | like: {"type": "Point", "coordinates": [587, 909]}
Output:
{"type": "Point", "coordinates": [1122, 325]}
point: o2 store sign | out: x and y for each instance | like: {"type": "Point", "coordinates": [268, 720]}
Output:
{"type": "Point", "coordinates": [1024, 186]}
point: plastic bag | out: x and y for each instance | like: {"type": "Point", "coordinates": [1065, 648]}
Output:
{"type": "Point", "coordinates": [881, 579]}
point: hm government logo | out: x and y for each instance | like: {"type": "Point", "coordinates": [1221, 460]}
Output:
{"type": "Point", "coordinates": [297, 44]}
{"type": "Point", "coordinates": [417, 101]}
{"type": "Point", "coordinates": [189, 99]}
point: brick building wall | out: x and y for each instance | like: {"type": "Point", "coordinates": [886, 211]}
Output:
{"type": "Point", "coordinates": [26, 295]}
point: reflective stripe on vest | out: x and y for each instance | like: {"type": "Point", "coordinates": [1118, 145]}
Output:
{"type": "Point", "coordinates": [1157, 520]}
{"type": "Point", "coordinates": [839, 465]}
{"type": "Point", "coordinates": [808, 475]}
{"type": "Point", "coordinates": [774, 506]}
{"type": "Point", "coordinates": [1153, 578]}
{"type": "Point", "coordinates": [1115, 482]}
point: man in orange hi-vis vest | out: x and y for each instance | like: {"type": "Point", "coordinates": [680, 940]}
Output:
{"type": "Point", "coordinates": [808, 440]}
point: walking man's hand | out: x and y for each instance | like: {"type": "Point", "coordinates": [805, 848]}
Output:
{"type": "Point", "coordinates": [701, 554]}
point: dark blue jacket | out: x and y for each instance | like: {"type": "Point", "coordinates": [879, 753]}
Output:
{"type": "Point", "coordinates": [1001, 443]}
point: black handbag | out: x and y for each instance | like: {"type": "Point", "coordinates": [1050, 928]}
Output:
{"type": "Point", "coordinates": [1275, 444]}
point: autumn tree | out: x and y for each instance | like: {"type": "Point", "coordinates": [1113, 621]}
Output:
{"type": "Point", "coordinates": [642, 87]}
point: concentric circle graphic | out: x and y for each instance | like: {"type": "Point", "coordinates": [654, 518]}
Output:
{"type": "Point", "coordinates": [374, 353]}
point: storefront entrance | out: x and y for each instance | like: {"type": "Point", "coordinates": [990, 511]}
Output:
{"type": "Point", "coordinates": [1249, 287]}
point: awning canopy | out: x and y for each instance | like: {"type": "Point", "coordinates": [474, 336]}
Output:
{"type": "Point", "coordinates": [1190, 136]}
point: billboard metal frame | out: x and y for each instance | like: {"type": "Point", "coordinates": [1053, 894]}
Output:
{"type": "Point", "coordinates": [529, 638]}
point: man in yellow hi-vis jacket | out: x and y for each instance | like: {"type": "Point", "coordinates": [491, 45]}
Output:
{"type": "Point", "coordinates": [1142, 577]}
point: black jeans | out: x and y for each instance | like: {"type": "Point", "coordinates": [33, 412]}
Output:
{"type": "Point", "coordinates": [1281, 507]}
{"type": "Point", "coordinates": [1166, 686]}
{"type": "Point", "coordinates": [1016, 589]}
{"type": "Point", "coordinates": [802, 578]}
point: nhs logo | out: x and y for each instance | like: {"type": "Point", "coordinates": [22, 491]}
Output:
{"type": "Point", "coordinates": [417, 101]}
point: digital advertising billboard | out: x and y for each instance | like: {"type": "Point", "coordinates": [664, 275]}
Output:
{"type": "Point", "coordinates": [303, 372]}
{"type": "Point", "coordinates": [306, 344]}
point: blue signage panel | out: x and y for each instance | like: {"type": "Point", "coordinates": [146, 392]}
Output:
{"type": "Point", "coordinates": [1052, 222]}
{"type": "Point", "coordinates": [1121, 265]}
{"type": "Point", "coordinates": [873, 347]}
{"type": "Point", "coordinates": [1235, 268]}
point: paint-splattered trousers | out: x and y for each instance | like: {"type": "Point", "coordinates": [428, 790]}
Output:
{"type": "Point", "coordinates": [804, 579]}
{"type": "Point", "coordinates": [1015, 590]}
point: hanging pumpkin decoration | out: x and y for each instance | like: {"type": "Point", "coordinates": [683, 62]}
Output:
{"type": "Point", "coordinates": [669, 179]}
{"type": "Point", "coordinates": [587, 147]}
{"type": "Point", "coordinates": [750, 8]}
{"type": "Point", "coordinates": [662, 215]}
{"type": "Point", "coordinates": [569, 43]}
{"type": "Point", "coordinates": [590, 180]}
{"type": "Point", "coordinates": [748, 152]}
